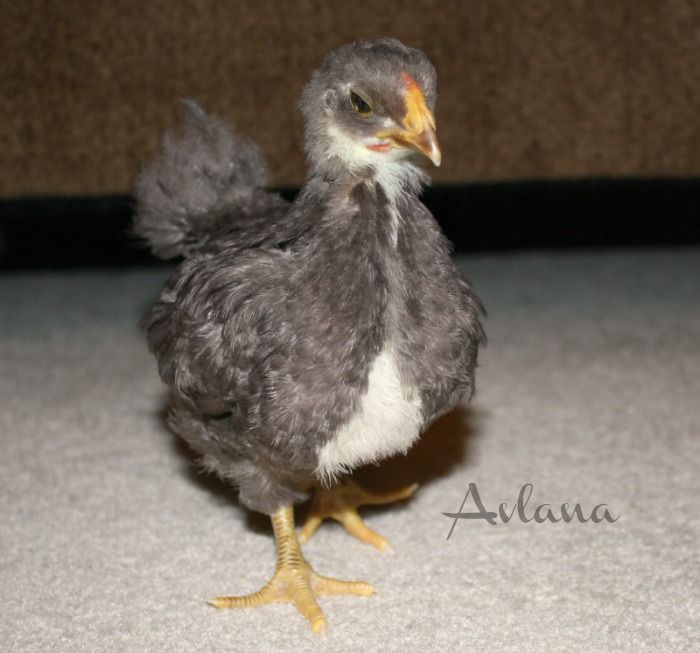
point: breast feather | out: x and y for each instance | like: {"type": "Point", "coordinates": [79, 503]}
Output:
{"type": "Point", "coordinates": [388, 421]}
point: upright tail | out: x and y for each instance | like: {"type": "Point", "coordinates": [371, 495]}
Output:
{"type": "Point", "coordinates": [206, 179]}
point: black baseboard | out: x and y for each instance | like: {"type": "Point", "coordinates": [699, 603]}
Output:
{"type": "Point", "coordinates": [51, 232]}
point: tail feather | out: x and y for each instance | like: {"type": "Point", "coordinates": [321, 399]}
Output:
{"type": "Point", "coordinates": [203, 179]}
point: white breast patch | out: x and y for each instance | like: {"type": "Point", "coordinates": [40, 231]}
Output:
{"type": "Point", "coordinates": [388, 422]}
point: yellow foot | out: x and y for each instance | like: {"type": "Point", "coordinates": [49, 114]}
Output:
{"type": "Point", "coordinates": [340, 503]}
{"type": "Point", "coordinates": [294, 580]}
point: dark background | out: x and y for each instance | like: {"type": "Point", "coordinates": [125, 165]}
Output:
{"type": "Point", "coordinates": [486, 217]}
{"type": "Point", "coordinates": [563, 123]}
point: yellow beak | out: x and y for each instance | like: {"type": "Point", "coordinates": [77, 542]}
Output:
{"type": "Point", "coordinates": [418, 131]}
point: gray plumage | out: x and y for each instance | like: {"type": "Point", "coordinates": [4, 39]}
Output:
{"type": "Point", "coordinates": [204, 183]}
{"type": "Point", "coordinates": [270, 331]}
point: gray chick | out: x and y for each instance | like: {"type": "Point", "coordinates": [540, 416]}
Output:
{"type": "Point", "coordinates": [302, 340]}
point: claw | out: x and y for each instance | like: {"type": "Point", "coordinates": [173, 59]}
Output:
{"type": "Point", "coordinates": [294, 580]}
{"type": "Point", "coordinates": [341, 504]}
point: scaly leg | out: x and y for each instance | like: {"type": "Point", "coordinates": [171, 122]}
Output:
{"type": "Point", "coordinates": [340, 503]}
{"type": "Point", "coordinates": [294, 580]}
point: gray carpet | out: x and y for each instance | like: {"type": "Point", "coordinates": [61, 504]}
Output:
{"type": "Point", "coordinates": [589, 390]}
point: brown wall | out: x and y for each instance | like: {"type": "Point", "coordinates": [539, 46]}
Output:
{"type": "Point", "coordinates": [528, 89]}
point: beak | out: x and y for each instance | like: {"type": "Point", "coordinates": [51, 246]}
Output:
{"type": "Point", "coordinates": [418, 131]}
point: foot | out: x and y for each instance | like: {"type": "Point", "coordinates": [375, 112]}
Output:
{"type": "Point", "coordinates": [341, 502]}
{"type": "Point", "coordinates": [294, 580]}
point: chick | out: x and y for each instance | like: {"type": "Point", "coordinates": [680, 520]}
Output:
{"type": "Point", "coordinates": [300, 341]}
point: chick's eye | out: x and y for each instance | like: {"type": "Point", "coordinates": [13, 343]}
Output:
{"type": "Point", "coordinates": [361, 106]}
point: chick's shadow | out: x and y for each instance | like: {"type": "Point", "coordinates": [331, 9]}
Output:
{"type": "Point", "coordinates": [442, 448]}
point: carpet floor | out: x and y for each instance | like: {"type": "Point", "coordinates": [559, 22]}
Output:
{"type": "Point", "coordinates": [588, 393]}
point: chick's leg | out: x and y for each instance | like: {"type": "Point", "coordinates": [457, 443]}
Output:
{"type": "Point", "coordinates": [341, 502]}
{"type": "Point", "coordinates": [294, 580]}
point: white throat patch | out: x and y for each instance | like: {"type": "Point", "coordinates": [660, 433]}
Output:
{"type": "Point", "coordinates": [392, 170]}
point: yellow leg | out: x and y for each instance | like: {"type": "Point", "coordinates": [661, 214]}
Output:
{"type": "Point", "coordinates": [294, 580]}
{"type": "Point", "coordinates": [340, 503]}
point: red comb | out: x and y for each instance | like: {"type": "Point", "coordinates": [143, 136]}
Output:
{"type": "Point", "coordinates": [409, 81]}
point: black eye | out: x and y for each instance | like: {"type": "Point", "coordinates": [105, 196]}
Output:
{"type": "Point", "coordinates": [361, 106]}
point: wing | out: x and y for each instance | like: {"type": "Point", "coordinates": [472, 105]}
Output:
{"type": "Point", "coordinates": [214, 327]}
